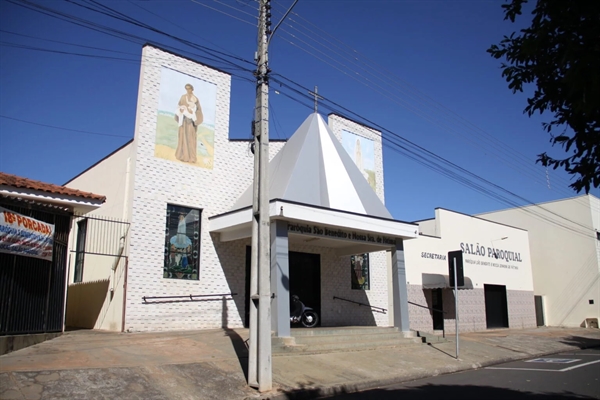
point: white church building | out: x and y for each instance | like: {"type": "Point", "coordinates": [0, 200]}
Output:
{"type": "Point", "coordinates": [182, 191]}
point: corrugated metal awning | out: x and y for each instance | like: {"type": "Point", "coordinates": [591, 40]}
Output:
{"type": "Point", "coordinates": [440, 281]}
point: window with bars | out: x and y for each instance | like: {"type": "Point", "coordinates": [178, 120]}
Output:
{"type": "Point", "coordinates": [80, 249]}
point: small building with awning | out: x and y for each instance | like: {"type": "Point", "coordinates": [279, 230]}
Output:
{"type": "Point", "coordinates": [35, 221]}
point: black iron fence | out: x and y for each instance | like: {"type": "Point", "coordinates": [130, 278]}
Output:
{"type": "Point", "coordinates": [32, 291]}
{"type": "Point", "coordinates": [104, 236]}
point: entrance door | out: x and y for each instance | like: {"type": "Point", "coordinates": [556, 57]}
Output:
{"type": "Point", "coordinates": [539, 310]}
{"type": "Point", "coordinates": [437, 304]}
{"type": "Point", "coordinates": [496, 309]}
{"type": "Point", "coordinates": [305, 279]}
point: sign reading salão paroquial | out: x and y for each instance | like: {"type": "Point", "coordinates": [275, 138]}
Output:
{"type": "Point", "coordinates": [25, 236]}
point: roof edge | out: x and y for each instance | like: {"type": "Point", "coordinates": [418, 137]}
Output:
{"type": "Point", "coordinates": [314, 206]}
{"type": "Point", "coordinates": [99, 161]}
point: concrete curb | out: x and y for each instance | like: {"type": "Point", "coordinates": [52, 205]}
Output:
{"type": "Point", "coordinates": [311, 392]}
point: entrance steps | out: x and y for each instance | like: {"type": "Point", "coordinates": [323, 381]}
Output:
{"type": "Point", "coordinates": [351, 338]}
{"type": "Point", "coordinates": [431, 337]}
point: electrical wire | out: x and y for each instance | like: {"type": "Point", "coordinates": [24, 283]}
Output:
{"type": "Point", "coordinates": [223, 12]}
{"type": "Point", "coordinates": [62, 128]}
{"type": "Point", "coordinates": [390, 79]}
{"type": "Point", "coordinates": [416, 152]}
{"type": "Point", "coordinates": [434, 162]}
{"type": "Point", "coordinates": [211, 54]}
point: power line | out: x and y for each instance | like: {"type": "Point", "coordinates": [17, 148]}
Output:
{"type": "Point", "coordinates": [389, 79]}
{"type": "Point", "coordinates": [499, 147]}
{"type": "Point", "coordinates": [223, 12]}
{"type": "Point", "coordinates": [62, 128]}
{"type": "Point", "coordinates": [415, 151]}
{"type": "Point", "coordinates": [135, 61]}
{"type": "Point", "coordinates": [215, 55]}
{"type": "Point", "coordinates": [177, 25]}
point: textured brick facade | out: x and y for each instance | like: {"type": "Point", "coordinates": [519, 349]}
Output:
{"type": "Point", "coordinates": [471, 303]}
{"type": "Point", "coordinates": [158, 182]}
{"type": "Point", "coordinates": [521, 309]}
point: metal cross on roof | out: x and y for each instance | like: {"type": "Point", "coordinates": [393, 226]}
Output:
{"type": "Point", "coordinates": [317, 97]}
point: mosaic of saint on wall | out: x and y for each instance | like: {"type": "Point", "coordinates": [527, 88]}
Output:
{"type": "Point", "coordinates": [185, 128]}
{"type": "Point", "coordinates": [362, 152]}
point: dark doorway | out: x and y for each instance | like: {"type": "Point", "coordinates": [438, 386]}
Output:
{"type": "Point", "coordinates": [438, 306]}
{"type": "Point", "coordinates": [305, 279]}
{"type": "Point", "coordinates": [496, 309]}
{"type": "Point", "coordinates": [539, 310]}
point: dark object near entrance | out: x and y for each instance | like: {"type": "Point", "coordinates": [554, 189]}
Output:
{"type": "Point", "coordinates": [460, 275]}
{"type": "Point", "coordinates": [299, 313]}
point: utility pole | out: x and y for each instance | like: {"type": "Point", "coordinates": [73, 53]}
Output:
{"type": "Point", "coordinates": [259, 359]}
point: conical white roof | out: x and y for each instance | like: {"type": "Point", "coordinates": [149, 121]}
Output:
{"type": "Point", "coordinates": [313, 168]}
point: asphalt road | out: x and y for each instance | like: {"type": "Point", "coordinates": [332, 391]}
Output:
{"type": "Point", "coordinates": [573, 375]}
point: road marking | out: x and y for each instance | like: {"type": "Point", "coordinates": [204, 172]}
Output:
{"type": "Point", "coordinates": [554, 360]}
{"type": "Point", "coordinates": [580, 365]}
{"type": "Point", "coordinates": [526, 369]}
{"type": "Point", "coordinates": [548, 370]}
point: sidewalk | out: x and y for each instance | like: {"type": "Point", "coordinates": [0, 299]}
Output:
{"type": "Point", "coordinates": [212, 364]}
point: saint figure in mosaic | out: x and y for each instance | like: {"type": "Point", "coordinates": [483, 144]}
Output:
{"type": "Point", "coordinates": [189, 116]}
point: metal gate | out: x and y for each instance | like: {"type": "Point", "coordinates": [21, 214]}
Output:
{"type": "Point", "coordinates": [32, 291]}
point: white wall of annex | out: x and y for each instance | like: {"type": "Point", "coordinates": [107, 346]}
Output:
{"type": "Point", "coordinates": [108, 178]}
{"type": "Point", "coordinates": [429, 227]}
{"type": "Point", "coordinates": [564, 253]}
{"type": "Point", "coordinates": [97, 301]}
{"type": "Point", "coordinates": [457, 228]}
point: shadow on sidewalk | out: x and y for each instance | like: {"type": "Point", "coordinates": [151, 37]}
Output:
{"type": "Point", "coordinates": [432, 392]}
{"type": "Point", "coordinates": [241, 351]}
{"type": "Point", "coordinates": [581, 342]}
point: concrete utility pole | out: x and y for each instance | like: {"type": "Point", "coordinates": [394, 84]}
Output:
{"type": "Point", "coordinates": [259, 360]}
{"type": "Point", "coordinates": [259, 357]}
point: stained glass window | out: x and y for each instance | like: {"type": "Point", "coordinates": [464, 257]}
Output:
{"type": "Point", "coordinates": [182, 243]}
{"type": "Point", "coordinates": [359, 268]}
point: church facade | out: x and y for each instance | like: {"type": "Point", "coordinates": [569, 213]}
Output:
{"type": "Point", "coordinates": [184, 189]}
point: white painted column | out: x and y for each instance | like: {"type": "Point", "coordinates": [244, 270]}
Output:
{"type": "Point", "coordinates": [280, 279]}
{"type": "Point", "coordinates": [399, 287]}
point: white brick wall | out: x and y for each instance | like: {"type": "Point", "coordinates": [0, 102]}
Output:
{"type": "Point", "coordinates": [158, 182]}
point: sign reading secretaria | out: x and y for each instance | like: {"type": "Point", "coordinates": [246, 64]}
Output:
{"type": "Point", "coordinates": [25, 236]}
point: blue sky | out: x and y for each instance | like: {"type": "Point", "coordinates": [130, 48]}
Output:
{"type": "Point", "coordinates": [417, 68]}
